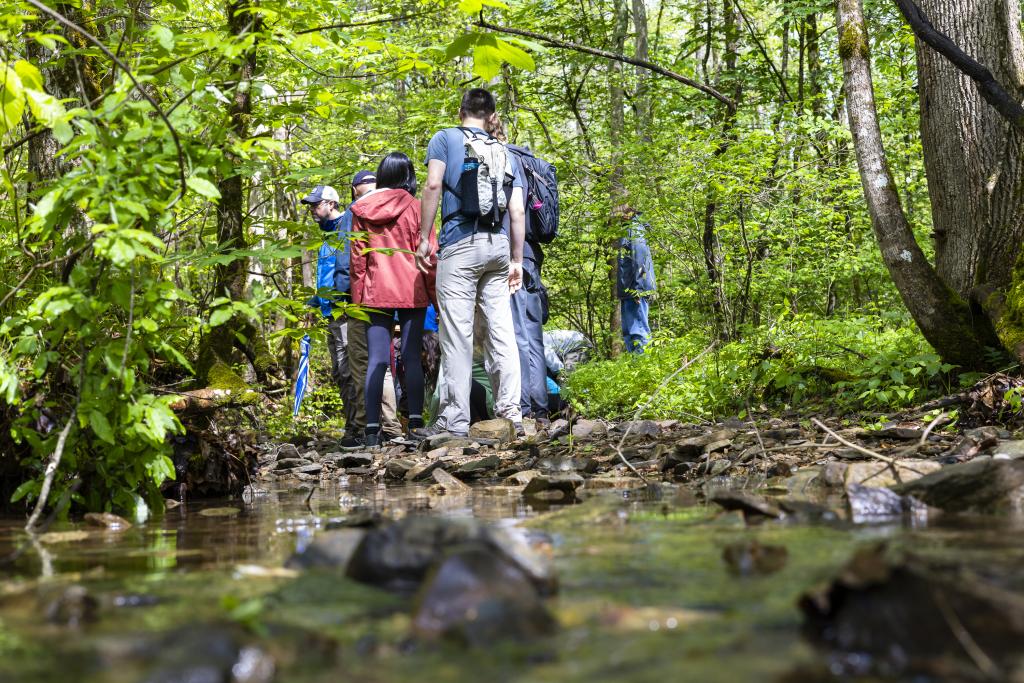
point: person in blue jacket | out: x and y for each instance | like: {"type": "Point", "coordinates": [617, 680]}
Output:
{"type": "Point", "coordinates": [346, 344]}
{"type": "Point", "coordinates": [635, 282]}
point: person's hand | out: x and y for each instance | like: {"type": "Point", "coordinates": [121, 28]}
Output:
{"type": "Point", "coordinates": [423, 260]}
{"type": "Point", "coordinates": [515, 277]}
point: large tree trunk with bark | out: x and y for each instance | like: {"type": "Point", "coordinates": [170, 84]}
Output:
{"type": "Point", "coordinates": [974, 159]}
{"type": "Point", "coordinates": [616, 127]}
{"type": "Point", "coordinates": [943, 317]}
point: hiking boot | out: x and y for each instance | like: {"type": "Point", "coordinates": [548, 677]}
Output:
{"type": "Point", "coordinates": [421, 433]}
{"type": "Point", "coordinates": [542, 423]}
{"type": "Point", "coordinates": [350, 442]}
{"type": "Point", "coordinates": [520, 430]}
{"type": "Point", "coordinates": [373, 441]}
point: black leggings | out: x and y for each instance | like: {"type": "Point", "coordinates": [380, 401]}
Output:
{"type": "Point", "coordinates": [378, 343]}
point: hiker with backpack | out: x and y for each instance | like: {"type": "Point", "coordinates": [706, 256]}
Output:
{"type": "Point", "coordinates": [475, 181]}
{"type": "Point", "coordinates": [346, 343]}
{"type": "Point", "coordinates": [385, 277]}
{"type": "Point", "coordinates": [529, 303]}
{"type": "Point", "coordinates": [635, 281]}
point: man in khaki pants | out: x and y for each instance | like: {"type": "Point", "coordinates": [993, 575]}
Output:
{"type": "Point", "coordinates": [477, 266]}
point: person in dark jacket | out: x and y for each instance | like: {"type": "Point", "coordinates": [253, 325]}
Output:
{"type": "Point", "coordinates": [635, 280]}
{"type": "Point", "coordinates": [385, 277]}
{"type": "Point", "coordinates": [346, 344]}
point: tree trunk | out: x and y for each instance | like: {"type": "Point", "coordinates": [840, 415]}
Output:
{"type": "Point", "coordinates": [616, 129]}
{"type": "Point", "coordinates": [974, 160]}
{"type": "Point", "coordinates": [231, 277]}
{"type": "Point", "coordinates": [643, 96]}
{"type": "Point", "coordinates": [944, 319]}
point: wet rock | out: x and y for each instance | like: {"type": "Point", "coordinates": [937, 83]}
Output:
{"type": "Point", "coordinates": [479, 466]}
{"type": "Point", "coordinates": [897, 617]}
{"type": "Point", "coordinates": [289, 463]}
{"type": "Point", "coordinates": [750, 504]}
{"type": "Point", "coordinates": [450, 440]}
{"type": "Point", "coordinates": [478, 597]}
{"type": "Point", "coordinates": [639, 428]}
{"type": "Point", "coordinates": [499, 429]}
{"type": "Point", "coordinates": [833, 474]}
{"type": "Point", "coordinates": [983, 485]}
{"type": "Point", "coordinates": [557, 428]}
{"type": "Point", "coordinates": [398, 467]}
{"type": "Point", "coordinates": [220, 512]}
{"type": "Point", "coordinates": [555, 488]}
{"type": "Point", "coordinates": [207, 653]}
{"type": "Point", "coordinates": [584, 429]}
{"type": "Point", "coordinates": [781, 434]}
{"type": "Point", "coordinates": [424, 469]}
{"type": "Point", "coordinates": [973, 442]}
{"type": "Point", "coordinates": [748, 558]}
{"type": "Point", "coordinates": [716, 446]}
{"type": "Point", "coordinates": [73, 607]}
{"type": "Point", "coordinates": [872, 504]}
{"type": "Point", "coordinates": [451, 484]}
{"type": "Point", "coordinates": [666, 425]}
{"type": "Point", "coordinates": [286, 450]}
{"type": "Point", "coordinates": [346, 460]}
{"type": "Point", "coordinates": [398, 555]}
{"type": "Point", "coordinates": [1009, 450]}
{"type": "Point", "coordinates": [63, 536]}
{"type": "Point", "coordinates": [522, 478]}
{"type": "Point", "coordinates": [874, 473]}
{"type": "Point", "coordinates": [107, 520]}
{"type": "Point", "coordinates": [894, 432]}
{"type": "Point", "coordinates": [329, 549]}
{"type": "Point", "coordinates": [311, 468]}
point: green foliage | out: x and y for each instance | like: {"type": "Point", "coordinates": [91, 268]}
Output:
{"type": "Point", "coordinates": [847, 365]}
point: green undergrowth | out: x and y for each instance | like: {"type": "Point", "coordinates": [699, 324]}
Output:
{"type": "Point", "coordinates": [803, 362]}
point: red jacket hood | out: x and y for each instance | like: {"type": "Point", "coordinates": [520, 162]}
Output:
{"type": "Point", "coordinates": [382, 206]}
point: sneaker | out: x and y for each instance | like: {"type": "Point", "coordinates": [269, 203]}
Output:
{"type": "Point", "coordinates": [350, 443]}
{"type": "Point", "coordinates": [373, 440]}
{"type": "Point", "coordinates": [421, 433]}
{"type": "Point", "coordinates": [520, 430]}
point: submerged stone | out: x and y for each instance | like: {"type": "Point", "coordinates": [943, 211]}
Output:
{"type": "Point", "coordinates": [107, 520]}
{"type": "Point", "coordinates": [748, 558]}
{"type": "Point", "coordinates": [750, 504]}
{"type": "Point", "coordinates": [870, 503]}
{"type": "Point", "coordinates": [555, 488]}
{"type": "Point", "coordinates": [329, 549]}
{"type": "Point", "coordinates": [898, 617]}
{"type": "Point", "coordinates": [478, 597]}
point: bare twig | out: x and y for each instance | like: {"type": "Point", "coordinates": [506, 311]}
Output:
{"type": "Point", "coordinates": [866, 451]}
{"type": "Point", "coordinates": [51, 471]}
{"type": "Point", "coordinates": [686, 364]}
{"type": "Point", "coordinates": [967, 642]}
{"type": "Point", "coordinates": [642, 63]}
{"type": "Point", "coordinates": [930, 427]}
{"type": "Point", "coordinates": [369, 22]}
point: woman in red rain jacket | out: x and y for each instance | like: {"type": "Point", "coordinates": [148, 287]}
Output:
{"type": "Point", "coordinates": [385, 277]}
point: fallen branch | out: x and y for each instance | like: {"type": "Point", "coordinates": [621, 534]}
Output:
{"type": "Point", "coordinates": [51, 472]}
{"type": "Point", "coordinates": [615, 57]}
{"type": "Point", "coordinates": [866, 451]}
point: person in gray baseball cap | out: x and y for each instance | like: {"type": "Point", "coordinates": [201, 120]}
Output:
{"type": "Point", "coordinates": [346, 344]}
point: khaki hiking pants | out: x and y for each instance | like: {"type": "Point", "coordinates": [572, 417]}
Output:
{"type": "Point", "coordinates": [472, 275]}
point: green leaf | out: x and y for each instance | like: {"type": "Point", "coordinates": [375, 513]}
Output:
{"type": "Point", "coordinates": [101, 426]}
{"type": "Point", "coordinates": [30, 77]}
{"type": "Point", "coordinates": [203, 187]}
{"type": "Point", "coordinates": [471, 7]}
{"type": "Point", "coordinates": [30, 486]}
{"type": "Point", "coordinates": [164, 36]}
{"type": "Point", "coordinates": [221, 316]}
{"type": "Point", "coordinates": [461, 45]}
{"type": "Point", "coordinates": [12, 99]}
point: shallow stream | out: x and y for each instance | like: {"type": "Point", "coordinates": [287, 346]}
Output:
{"type": "Point", "coordinates": [645, 594]}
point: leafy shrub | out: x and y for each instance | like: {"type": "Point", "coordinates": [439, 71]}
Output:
{"type": "Point", "coordinates": [865, 363]}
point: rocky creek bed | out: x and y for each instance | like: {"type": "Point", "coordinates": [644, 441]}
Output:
{"type": "Point", "coordinates": [790, 551]}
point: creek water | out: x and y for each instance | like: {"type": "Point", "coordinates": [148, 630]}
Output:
{"type": "Point", "coordinates": [645, 594]}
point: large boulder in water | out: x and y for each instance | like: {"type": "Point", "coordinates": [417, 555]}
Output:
{"type": "Point", "coordinates": [477, 596]}
{"type": "Point", "coordinates": [895, 617]}
{"type": "Point", "coordinates": [983, 486]}
{"type": "Point", "coordinates": [398, 555]}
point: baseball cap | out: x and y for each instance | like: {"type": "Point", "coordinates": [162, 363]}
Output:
{"type": "Point", "coordinates": [362, 177]}
{"type": "Point", "coordinates": [320, 193]}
